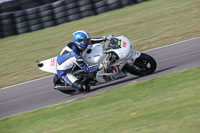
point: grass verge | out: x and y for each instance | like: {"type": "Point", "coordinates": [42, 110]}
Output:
{"type": "Point", "coordinates": [169, 104]}
{"type": "Point", "coordinates": [149, 24]}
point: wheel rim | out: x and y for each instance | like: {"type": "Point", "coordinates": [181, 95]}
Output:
{"type": "Point", "coordinates": [143, 66]}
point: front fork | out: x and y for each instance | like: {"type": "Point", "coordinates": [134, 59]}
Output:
{"type": "Point", "coordinates": [133, 56]}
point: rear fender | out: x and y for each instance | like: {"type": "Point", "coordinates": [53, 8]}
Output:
{"type": "Point", "coordinates": [48, 65]}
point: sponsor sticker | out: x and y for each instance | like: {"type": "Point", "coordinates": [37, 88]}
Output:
{"type": "Point", "coordinates": [124, 44]}
{"type": "Point", "coordinates": [53, 62]}
{"type": "Point", "coordinates": [116, 69]}
{"type": "Point", "coordinates": [119, 42]}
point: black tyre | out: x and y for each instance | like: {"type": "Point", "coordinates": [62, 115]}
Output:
{"type": "Point", "coordinates": [111, 1]}
{"type": "Point", "coordinates": [86, 7]}
{"type": "Point", "coordinates": [20, 19]}
{"type": "Point", "coordinates": [61, 20]}
{"type": "Point", "coordinates": [47, 18]}
{"type": "Point", "coordinates": [101, 10]}
{"type": "Point", "coordinates": [8, 27]}
{"type": "Point", "coordinates": [7, 21]}
{"type": "Point", "coordinates": [126, 2]}
{"type": "Point", "coordinates": [34, 21]}
{"type": "Point", "coordinates": [60, 15]}
{"type": "Point", "coordinates": [72, 11]}
{"type": "Point", "coordinates": [25, 1]}
{"type": "Point", "coordinates": [56, 80]}
{"type": "Point", "coordinates": [100, 4]}
{"type": "Point", "coordinates": [45, 8]}
{"type": "Point", "coordinates": [9, 6]}
{"type": "Point", "coordinates": [144, 65]}
{"type": "Point", "coordinates": [64, 89]}
{"type": "Point", "coordinates": [115, 5]}
{"type": "Point", "coordinates": [33, 16]}
{"type": "Point", "coordinates": [31, 5]}
{"type": "Point", "coordinates": [59, 9]}
{"type": "Point", "coordinates": [83, 2]}
{"type": "Point", "coordinates": [49, 24]}
{"type": "Point", "coordinates": [19, 13]}
{"type": "Point", "coordinates": [32, 11]}
{"type": "Point", "coordinates": [57, 4]}
{"type": "Point", "coordinates": [6, 16]}
{"type": "Point", "coordinates": [21, 24]}
{"type": "Point", "coordinates": [71, 5]}
{"type": "Point", "coordinates": [36, 27]}
{"type": "Point", "coordinates": [46, 13]}
{"type": "Point", "coordinates": [74, 17]}
{"type": "Point", "coordinates": [48, 1]}
{"type": "Point", "coordinates": [23, 30]}
{"type": "Point", "coordinates": [87, 13]}
{"type": "Point", "coordinates": [69, 1]}
{"type": "Point", "coordinates": [95, 1]}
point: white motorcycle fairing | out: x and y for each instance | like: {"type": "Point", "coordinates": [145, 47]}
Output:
{"type": "Point", "coordinates": [95, 54]}
{"type": "Point", "coordinates": [48, 65]}
{"type": "Point", "coordinates": [117, 58]}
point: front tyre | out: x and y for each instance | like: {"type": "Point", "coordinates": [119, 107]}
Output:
{"type": "Point", "coordinates": [142, 66]}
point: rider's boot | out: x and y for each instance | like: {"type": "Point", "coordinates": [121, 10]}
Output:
{"type": "Point", "coordinates": [78, 85]}
{"type": "Point", "coordinates": [87, 89]}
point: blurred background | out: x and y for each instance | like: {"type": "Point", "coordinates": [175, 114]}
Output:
{"type": "Point", "coordinates": [22, 16]}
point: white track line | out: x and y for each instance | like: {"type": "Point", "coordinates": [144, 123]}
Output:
{"type": "Point", "coordinates": [25, 82]}
{"type": "Point", "coordinates": [172, 44]}
{"type": "Point", "coordinates": [143, 51]}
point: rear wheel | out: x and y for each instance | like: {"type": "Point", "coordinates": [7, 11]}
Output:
{"type": "Point", "coordinates": [142, 66]}
{"type": "Point", "coordinates": [56, 80]}
{"type": "Point", "coordinates": [58, 85]}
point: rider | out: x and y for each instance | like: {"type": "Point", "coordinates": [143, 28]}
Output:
{"type": "Point", "coordinates": [71, 55]}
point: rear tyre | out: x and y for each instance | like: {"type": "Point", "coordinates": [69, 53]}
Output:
{"type": "Point", "coordinates": [56, 80]}
{"type": "Point", "coordinates": [66, 90]}
{"type": "Point", "coordinates": [144, 65]}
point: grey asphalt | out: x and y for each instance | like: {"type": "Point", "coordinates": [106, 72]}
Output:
{"type": "Point", "coordinates": [40, 93]}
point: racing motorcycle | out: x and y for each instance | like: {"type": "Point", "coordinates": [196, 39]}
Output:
{"type": "Point", "coordinates": [117, 57]}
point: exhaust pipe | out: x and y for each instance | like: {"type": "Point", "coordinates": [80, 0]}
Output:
{"type": "Point", "coordinates": [63, 88]}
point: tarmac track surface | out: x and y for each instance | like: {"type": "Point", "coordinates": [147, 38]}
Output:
{"type": "Point", "coordinates": [40, 93]}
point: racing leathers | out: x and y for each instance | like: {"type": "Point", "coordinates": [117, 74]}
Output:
{"type": "Point", "coordinates": [70, 56]}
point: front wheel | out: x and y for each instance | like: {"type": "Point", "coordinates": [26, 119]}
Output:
{"type": "Point", "coordinates": [142, 66]}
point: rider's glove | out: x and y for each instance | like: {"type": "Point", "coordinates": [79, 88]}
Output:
{"type": "Point", "coordinates": [108, 37]}
{"type": "Point", "coordinates": [102, 65]}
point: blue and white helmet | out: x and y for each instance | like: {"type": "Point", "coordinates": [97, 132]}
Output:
{"type": "Point", "coordinates": [81, 38]}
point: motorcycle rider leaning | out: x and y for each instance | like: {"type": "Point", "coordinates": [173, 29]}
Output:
{"type": "Point", "coordinates": [71, 55]}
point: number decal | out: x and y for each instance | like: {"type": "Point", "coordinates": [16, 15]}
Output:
{"type": "Point", "coordinates": [119, 42]}
{"type": "Point", "coordinates": [116, 69]}
{"type": "Point", "coordinates": [53, 62]}
{"type": "Point", "coordinates": [124, 44]}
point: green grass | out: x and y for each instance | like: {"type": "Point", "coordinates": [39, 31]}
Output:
{"type": "Point", "coordinates": [150, 24]}
{"type": "Point", "coordinates": [169, 104]}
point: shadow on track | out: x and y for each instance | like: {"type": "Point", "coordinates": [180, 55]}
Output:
{"type": "Point", "coordinates": [117, 82]}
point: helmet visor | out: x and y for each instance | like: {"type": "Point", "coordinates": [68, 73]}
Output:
{"type": "Point", "coordinates": [85, 41]}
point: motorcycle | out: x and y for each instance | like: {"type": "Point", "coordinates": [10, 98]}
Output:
{"type": "Point", "coordinates": [118, 58]}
